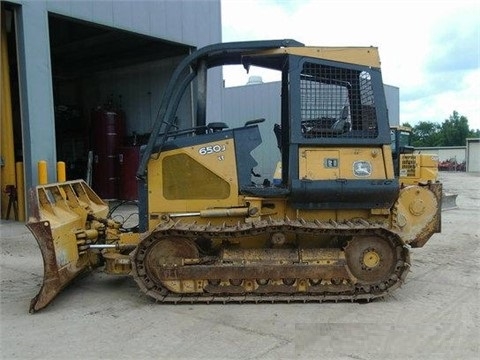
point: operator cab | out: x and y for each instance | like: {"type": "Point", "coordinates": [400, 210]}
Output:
{"type": "Point", "coordinates": [333, 131]}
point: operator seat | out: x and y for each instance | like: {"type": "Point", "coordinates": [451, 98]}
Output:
{"type": "Point", "coordinates": [217, 126]}
{"type": "Point", "coordinates": [343, 124]}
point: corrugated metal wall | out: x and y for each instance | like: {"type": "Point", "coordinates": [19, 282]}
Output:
{"type": "Point", "coordinates": [196, 23]}
{"type": "Point", "coordinates": [392, 96]}
{"type": "Point", "coordinates": [445, 153]}
{"type": "Point", "coordinates": [243, 103]}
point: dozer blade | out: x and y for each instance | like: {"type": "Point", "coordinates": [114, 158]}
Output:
{"type": "Point", "coordinates": [64, 220]}
{"type": "Point", "coordinates": [56, 273]}
{"type": "Point", "coordinates": [449, 201]}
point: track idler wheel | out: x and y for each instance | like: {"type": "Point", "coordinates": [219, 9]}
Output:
{"type": "Point", "coordinates": [372, 259]}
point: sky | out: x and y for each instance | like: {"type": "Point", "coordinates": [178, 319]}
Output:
{"type": "Point", "coordinates": [429, 49]}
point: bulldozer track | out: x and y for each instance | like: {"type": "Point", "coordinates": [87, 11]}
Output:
{"type": "Point", "coordinates": [333, 292]}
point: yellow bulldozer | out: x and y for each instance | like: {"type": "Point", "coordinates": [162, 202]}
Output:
{"type": "Point", "coordinates": [337, 225]}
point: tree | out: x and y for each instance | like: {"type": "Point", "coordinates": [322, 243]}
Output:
{"type": "Point", "coordinates": [452, 132]}
{"type": "Point", "coordinates": [426, 133]}
{"type": "Point", "coordinates": [455, 130]}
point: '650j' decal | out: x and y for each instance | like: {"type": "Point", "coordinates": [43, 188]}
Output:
{"type": "Point", "coordinates": [213, 149]}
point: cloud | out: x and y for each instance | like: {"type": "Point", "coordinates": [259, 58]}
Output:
{"type": "Point", "coordinates": [429, 49]}
{"type": "Point", "coordinates": [455, 43]}
{"type": "Point", "coordinates": [449, 73]}
{"type": "Point", "coordinates": [437, 105]}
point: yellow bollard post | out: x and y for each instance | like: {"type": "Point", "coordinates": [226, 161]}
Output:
{"type": "Point", "coordinates": [20, 191]}
{"type": "Point", "coordinates": [42, 172]}
{"type": "Point", "coordinates": [61, 172]}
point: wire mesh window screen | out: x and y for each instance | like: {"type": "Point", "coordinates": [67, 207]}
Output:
{"type": "Point", "coordinates": [336, 102]}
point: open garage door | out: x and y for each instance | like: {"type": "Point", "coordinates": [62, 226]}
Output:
{"type": "Point", "coordinates": [107, 86]}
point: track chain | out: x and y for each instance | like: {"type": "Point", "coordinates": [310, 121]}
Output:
{"type": "Point", "coordinates": [193, 230]}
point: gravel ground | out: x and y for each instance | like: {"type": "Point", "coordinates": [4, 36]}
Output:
{"type": "Point", "coordinates": [435, 315]}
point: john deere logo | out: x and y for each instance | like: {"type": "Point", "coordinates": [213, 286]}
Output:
{"type": "Point", "coordinates": [362, 168]}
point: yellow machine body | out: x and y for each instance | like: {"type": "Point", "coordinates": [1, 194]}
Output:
{"type": "Point", "coordinates": [312, 163]}
{"type": "Point", "coordinates": [412, 167]}
{"type": "Point", "coordinates": [208, 191]}
{"type": "Point", "coordinates": [201, 185]}
{"type": "Point", "coordinates": [417, 168]}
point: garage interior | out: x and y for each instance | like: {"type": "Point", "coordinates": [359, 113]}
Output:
{"type": "Point", "coordinates": [107, 87]}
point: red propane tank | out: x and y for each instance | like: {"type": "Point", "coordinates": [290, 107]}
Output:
{"type": "Point", "coordinates": [108, 131]}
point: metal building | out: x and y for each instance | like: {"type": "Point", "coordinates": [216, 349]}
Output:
{"type": "Point", "coordinates": [473, 154]}
{"type": "Point", "coordinates": [67, 58]}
